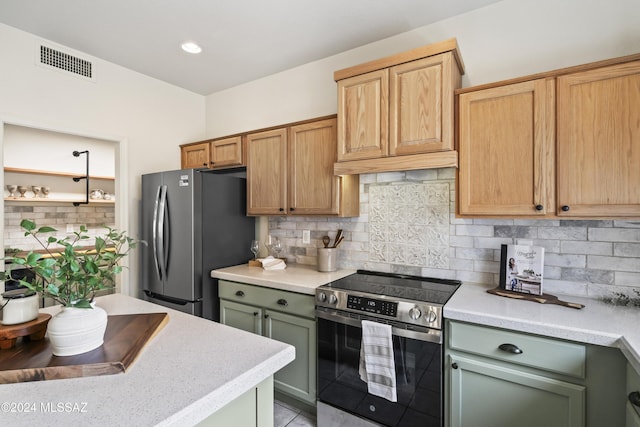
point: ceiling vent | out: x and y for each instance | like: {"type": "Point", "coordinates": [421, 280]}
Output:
{"type": "Point", "coordinates": [63, 61]}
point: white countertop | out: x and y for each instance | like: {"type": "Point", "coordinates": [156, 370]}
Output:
{"type": "Point", "coordinates": [597, 323]}
{"type": "Point", "coordinates": [190, 369]}
{"type": "Point", "coordinates": [300, 278]}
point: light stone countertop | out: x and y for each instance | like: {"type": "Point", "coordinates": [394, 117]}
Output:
{"type": "Point", "coordinates": [189, 370]}
{"type": "Point", "coordinates": [300, 278]}
{"type": "Point", "coordinates": [597, 323]}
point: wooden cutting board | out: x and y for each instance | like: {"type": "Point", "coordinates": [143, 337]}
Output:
{"type": "Point", "coordinates": [124, 339]}
{"type": "Point", "coordinates": [542, 299]}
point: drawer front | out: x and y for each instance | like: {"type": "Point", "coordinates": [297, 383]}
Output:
{"type": "Point", "coordinates": [273, 299]}
{"type": "Point", "coordinates": [537, 352]}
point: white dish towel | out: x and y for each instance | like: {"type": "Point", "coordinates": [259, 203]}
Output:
{"type": "Point", "coordinates": [377, 366]}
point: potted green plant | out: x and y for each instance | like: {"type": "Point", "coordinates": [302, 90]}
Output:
{"type": "Point", "coordinates": [71, 273]}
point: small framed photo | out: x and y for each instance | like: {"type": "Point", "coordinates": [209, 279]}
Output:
{"type": "Point", "coordinates": [521, 268]}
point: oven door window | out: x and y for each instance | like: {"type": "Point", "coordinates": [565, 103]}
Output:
{"type": "Point", "coordinates": [418, 376]}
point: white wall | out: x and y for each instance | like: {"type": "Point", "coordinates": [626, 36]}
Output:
{"type": "Point", "coordinates": [150, 116]}
{"type": "Point", "coordinates": [507, 39]}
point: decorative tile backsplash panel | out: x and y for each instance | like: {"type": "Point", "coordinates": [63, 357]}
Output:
{"type": "Point", "coordinates": [409, 223]}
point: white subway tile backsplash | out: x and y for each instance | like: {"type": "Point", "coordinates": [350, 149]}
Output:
{"type": "Point", "coordinates": [94, 218]}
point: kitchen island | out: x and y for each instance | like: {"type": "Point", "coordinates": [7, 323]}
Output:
{"type": "Point", "coordinates": [192, 368]}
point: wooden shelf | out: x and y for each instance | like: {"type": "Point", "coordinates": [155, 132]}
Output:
{"type": "Point", "coordinates": [52, 173]}
{"type": "Point", "coordinates": [54, 200]}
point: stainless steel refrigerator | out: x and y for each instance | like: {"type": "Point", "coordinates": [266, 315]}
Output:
{"type": "Point", "coordinates": [193, 222]}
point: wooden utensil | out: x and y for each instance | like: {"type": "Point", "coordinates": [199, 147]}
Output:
{"type": "Point", "coordinates": [542, 299]}
{"type": "Point", "coordinates": [338, 236]}
{"type": "Point", "coordinates": [338, 241]}
{"type": "Point", "coordinates": [325, 241]}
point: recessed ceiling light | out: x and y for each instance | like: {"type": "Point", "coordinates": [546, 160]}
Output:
{"type": "Point", "coordinates": [191, 47]}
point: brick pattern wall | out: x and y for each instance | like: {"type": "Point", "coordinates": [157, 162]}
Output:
{"type": "Point", "coordinates": [93, 217]}
{"type": "Point", "coordinates": [584, 258]}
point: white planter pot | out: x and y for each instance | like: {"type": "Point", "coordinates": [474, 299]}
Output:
{"type": "Point", "coordinates": [77, 330]}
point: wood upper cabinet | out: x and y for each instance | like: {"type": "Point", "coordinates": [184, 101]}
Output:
{"type": "Point", "coordinates": [397, 106]}
{"type": "Point", "coordinates": [290, 172]}
{"type": "Point", "coordinates": [267, 172]}
{"type": "Point", "coordinates": [599, 142]}
{"type": "Point", "coordinates": [226, 152]}
{"type": "Point", "coordinates": [421, 105]}
{"type": "Point", "coordinates": [194, 156]}
{"type": "Point", "coordinates": [506, 147]}
{"type": "Point", "coordinates": [217, 153]}
{"type": "Point", "coordinates": [565, 143]}
{"type": "Point", "coordinates": [363, 111]}
{"type": "Point", "coordinates": [313, 189]}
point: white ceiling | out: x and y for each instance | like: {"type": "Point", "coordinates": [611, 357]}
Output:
{"type": "Point", "coordinates": [242, 40]}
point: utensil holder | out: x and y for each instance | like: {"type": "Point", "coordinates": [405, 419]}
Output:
{"type": "Point", "coordinates": [327, 259]}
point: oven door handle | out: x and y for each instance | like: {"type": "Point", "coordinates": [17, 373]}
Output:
{"type": "Point", "coordinates": [430, 335]}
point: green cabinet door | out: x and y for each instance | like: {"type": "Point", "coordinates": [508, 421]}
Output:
{"type": "Point", "coordinates": [298, 378]}
{"type": "Point", "coordinates": [491, 394]}
{"type": "Point", "coordinates": [241, 316]}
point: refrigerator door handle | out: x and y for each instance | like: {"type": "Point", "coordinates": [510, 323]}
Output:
{"type": "Point", "coordinates": [154, 230]}
{"type": "Point", "coordinates": [162, 217]}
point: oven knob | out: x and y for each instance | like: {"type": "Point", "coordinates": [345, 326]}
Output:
{"type": "Point", "coordinates": [415, 313]}
{"type": "Point", "coordinates": [322, 297]}
{"type": "Point", "coordinates": [333, 299]}
{"type": "Point", "coordinates": [431, 316]}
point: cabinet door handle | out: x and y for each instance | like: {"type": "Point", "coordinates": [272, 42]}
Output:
{"type": "Point", "coordinates": [281, 209]}
{"type": "Point", "coordinates": [634, 398]}
{"type": "Point", "coordinates": [292, 209]}
{"type": "Point", "coordinates": [255, 313]}
{"type": "Point", "coordinates": [266, 316]}
{"type": "Point", "coordinates": [510, 348]}
{"type": "Point", "coordinates": [454, 365]}
{"type": "Point", "coordinates": [239, 294]}
{"type": "Point", "coordinates": [283, 302]}
{"type": "Point", "coordinates": [565, 208]}
{"type": "Point", "coordinates": [539, 207]}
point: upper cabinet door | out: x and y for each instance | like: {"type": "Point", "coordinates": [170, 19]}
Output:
{"type": "Point", "coordinates": [599, 142]}
{"type": "Point", "coordinates": [267, 172]}
{"type": "Point", "coordinates": [195, 156]}
{"type": "Point", "coordinates": [313, 189]}
{"type": "Point", "coordinates": [226, 152]}
{"type": "Point", "coordinates": [363, 116]}
{"type": "Point", "coordinates": [506, 150]}
{"type": "Point", "coordinates": [421, 105]}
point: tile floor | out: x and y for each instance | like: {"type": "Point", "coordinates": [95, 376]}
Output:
{"type": "Point", "coordinates": [290, 416]}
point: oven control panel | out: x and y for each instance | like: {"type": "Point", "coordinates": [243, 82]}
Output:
{"type": "Point", "coordinates": [405, 311]}
{"type": "Point", "coordinates": [372, 305]}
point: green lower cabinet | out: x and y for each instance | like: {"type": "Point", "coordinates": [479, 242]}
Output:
{"type": "Point", "coordinates": [298, 378]}
{"type": "Point", "coordinates": [283, 316]}
{"type": "Point", "coordinates": [254, 408]}
{"type": "Point", "coordinates": [241, 316]}
{"type": "Point", "coordinates": [498, 377]}
{"type": "Point", "coordinates": [633, 386]}
{"type": "Point", "coordinates": [490, 395]}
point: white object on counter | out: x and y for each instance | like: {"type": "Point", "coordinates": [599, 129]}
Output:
{"type": "Point", "coordinates": [271, 263]}
{"type": "Point", "coordinates": [18, 306]}
{"type": "Point", "coordinates": [327, 259]}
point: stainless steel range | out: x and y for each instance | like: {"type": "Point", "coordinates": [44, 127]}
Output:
{"type": "Point", "coordinates": [413, 307]}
